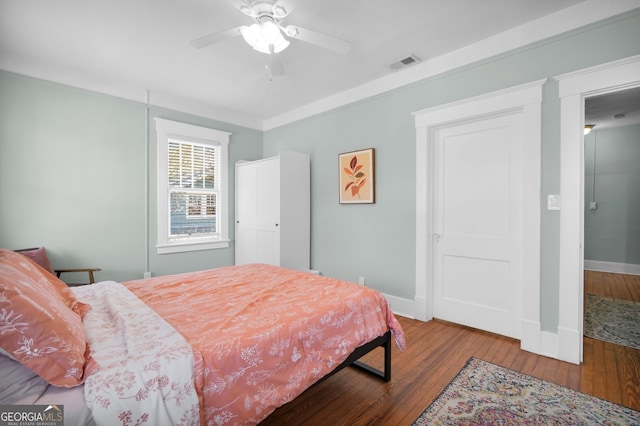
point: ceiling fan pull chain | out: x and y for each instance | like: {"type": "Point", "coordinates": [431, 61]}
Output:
{"type": "Point", "coordinates": [271, 49]}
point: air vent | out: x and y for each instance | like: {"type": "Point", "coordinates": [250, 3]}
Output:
{"type": "Point", "coordinates": [405, 62]}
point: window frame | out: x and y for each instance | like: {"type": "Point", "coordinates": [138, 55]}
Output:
{"type": "Point", "coordinates": [168, 129]}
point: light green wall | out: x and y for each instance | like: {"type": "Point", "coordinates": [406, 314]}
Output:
{"type": "Point", "coordinates": [378, 241]}
{"type": "Point", "coordinates": [72, 178]}
{"type": "Point", "coordinates": [72, 168]}
{"type": "Point", "coordinates": [245, 144]}
{"type": "Point", "coordinates": [612, 231]}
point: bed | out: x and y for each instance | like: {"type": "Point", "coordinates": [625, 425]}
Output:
{"type": "Point", "coordinates": [224, 346]}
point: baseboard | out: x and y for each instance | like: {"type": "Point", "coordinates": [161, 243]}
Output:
{"type": "Point", "coordinates": [539, 342]}
{"type": "Point", "coordinates": [569, 345]}
{"type": "Point", "coordinates": [549, 344]}
{"type": "Point", "coordinates": [530, 336]}
{"type": "Point", "coordinates": [402, 307]}
{"type": "Point", "coordinates": [561, 345]}
{"type": "Point", "coordinates": [617, 268]}
{"type": "Point", "coordinates": [422, 309]}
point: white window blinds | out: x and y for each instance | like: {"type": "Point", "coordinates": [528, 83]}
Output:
{"type": "Point", "coordinates": [191, 165]}
{"type": "Point", "coordinates": [193, 204]}
{"type": "Point", "coordinates": [193, 192]}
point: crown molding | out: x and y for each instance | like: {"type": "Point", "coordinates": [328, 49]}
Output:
{"type": "Point", "coordinates": [571, 18]}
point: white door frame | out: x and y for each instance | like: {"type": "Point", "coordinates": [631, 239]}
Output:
{"type": "Point", "coordinates": [526, 99]}
{"type": "Point", "coordinates": [574, 88]}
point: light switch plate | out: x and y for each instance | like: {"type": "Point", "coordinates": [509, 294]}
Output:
{"type": "Point", "coordinates": [553, 202]}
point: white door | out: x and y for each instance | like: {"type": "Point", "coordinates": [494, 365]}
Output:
{"type": "Point", "coordinates": [477, 244]}
{"type": "Point", "coordinates": [246, 214]}
{"type": "Point", "coordinates": [268, 243]}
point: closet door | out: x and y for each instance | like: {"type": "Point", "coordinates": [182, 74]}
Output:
{"type": "Point", "coordinates": [273, 211]}
{"type": "Point", "coordinates": [247, 213]}
{"type": "Point", "coordinates": [268, 208]}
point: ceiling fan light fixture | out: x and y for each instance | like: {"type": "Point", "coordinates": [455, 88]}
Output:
{"type": "Point", "coordinates": [267, 34]}
{"type": "Point", "coordinates": [270, 32]}
{"type": "Point", "coordinates": [264, 47]}
{"type": "Point", "coordinates": [281, 45]}
{"type": "Point", "coordinates": [262, 36]}
{"type": "Point", "coordinates": [252, 34]}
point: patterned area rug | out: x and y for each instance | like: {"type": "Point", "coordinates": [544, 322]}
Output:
{"type": "Point", "coordinates": [612, 320]}
{"type": "Point", "coordinates": [486, 394]}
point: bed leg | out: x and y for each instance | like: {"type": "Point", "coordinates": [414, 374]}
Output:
{"type": "Point", "coordinates": [386, 374]}
{"type": "Point", "coordinates": [387, 359]}
{"type": "Point", "coordinates": [383, 341]}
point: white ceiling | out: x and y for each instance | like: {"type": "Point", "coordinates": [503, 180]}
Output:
{"type": "Point", "coordinates": [616, 109]}
{"type": "Point", "coordinates": [139, 48]}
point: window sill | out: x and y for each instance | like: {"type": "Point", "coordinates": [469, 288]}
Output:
{"type": "Point", "coordinates": [185, 246]}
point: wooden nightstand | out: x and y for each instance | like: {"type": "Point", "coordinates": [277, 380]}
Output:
{"type": "Point", "coordinates": [89, 271]}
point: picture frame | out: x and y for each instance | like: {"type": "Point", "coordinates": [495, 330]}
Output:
{"type": "Point", "coordinates": [357, 177]}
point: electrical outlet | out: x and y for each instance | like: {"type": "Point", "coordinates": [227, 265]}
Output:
{"type": "Point", "coordinates": [593, 205]}
{"type": "Point", "coordinates": [147, 275]}
{"type": "Point", "coordinates": [361, 280]}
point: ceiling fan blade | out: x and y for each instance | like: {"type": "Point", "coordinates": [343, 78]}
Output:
{"type": "Point", "coordinates": [282, 8]}
{"type": "Point", "coordinates": [210, 39]}
{"type": "Point", "coordinates": [322, 40]}
{"type": "Point", "coordinates": [244, 7]}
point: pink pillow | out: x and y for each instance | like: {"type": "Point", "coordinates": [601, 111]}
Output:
{"type": "Point", "coordinates": [40, 321]}
{"type": "Point", "coordinates": [57, 284]}
{"type": "Point", "coordinates": [39, 256]}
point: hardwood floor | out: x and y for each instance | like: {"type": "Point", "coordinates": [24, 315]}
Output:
{"type": "Point", "coordinates": [613, 370]}
{"type": "Point", "coordinates": [437, 350]}
{"type": "Point", "coordinates": [615, 286]}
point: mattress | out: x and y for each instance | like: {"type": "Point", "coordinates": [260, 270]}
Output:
{"type": "Point", "coordinates": [222, 346]}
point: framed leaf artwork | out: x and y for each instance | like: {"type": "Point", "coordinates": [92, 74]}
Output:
{"type": "Point", "coordinates": [357, 177]}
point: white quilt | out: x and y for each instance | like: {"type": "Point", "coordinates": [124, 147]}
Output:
{"type": "Point", "coordinates": [145, 367]}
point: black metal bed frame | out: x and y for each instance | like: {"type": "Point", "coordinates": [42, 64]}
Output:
{"type": "Point", "coordinates": [383, 341]}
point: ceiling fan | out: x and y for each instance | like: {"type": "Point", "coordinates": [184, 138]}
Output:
{"type": "Point", "coordinates": [267, 33]}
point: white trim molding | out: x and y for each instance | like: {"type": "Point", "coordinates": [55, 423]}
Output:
{"type": "Point", "coordinates": [525, 99]}
{"type": "Point", "coordinates": [401, 306]}
{"type": "Point", "coordinates": [574, 87]}
{"type": "Point", "coordinates": [613, 267]}
{"type": "Point", "coordinates": [568, 19]}
{"type": "Point", "coordinates": [167, 129]}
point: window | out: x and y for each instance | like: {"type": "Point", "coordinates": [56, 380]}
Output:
{"type": "Point", "coordinates": [192, 187]}
{"type": "Point", "coordinates": [193, 177]}
{"type": "Point", "coordinates": [202, 205]}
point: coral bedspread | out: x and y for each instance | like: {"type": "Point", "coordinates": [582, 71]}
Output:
{"type": "Point", "coordinates": [261, 334]}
